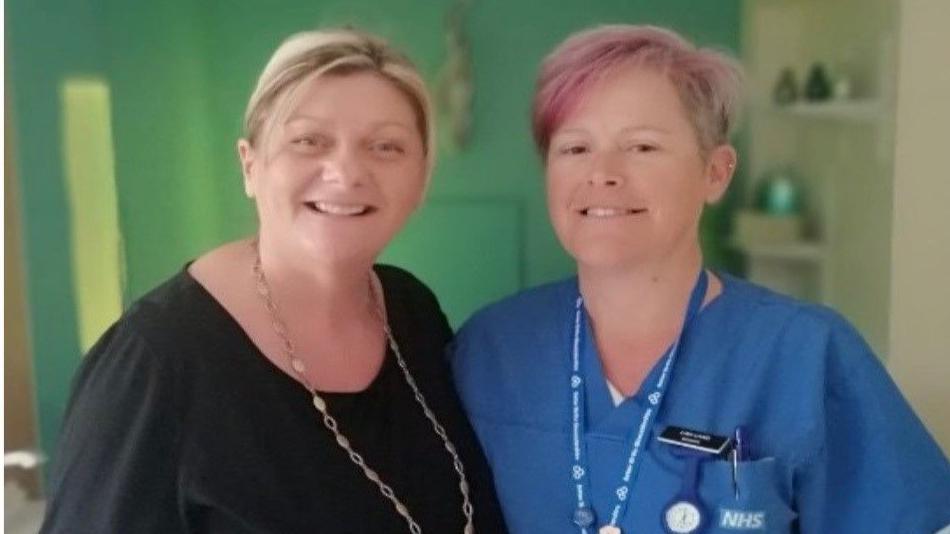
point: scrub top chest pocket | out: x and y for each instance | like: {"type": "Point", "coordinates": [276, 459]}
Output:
{"type": "Point", "coordinates": [756, 501]}
{"type": "Point", "coordinates": [722, 488]}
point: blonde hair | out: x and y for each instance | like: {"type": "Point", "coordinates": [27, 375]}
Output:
{"type": "Point", "coordinates": [306, 56]}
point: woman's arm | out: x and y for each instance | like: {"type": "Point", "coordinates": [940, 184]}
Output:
{"type": "Point", "coordinates": [878, 469]}
{"type": "Point", "coordinates": [117, 465]}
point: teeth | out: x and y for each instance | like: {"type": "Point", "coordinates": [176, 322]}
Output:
{"type": "Point", "coordinates": [606, 212]}
{"type": "Point", "coordinates": [340, 209]}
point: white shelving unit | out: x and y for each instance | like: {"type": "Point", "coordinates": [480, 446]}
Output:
{"type": "Point", "coordinates": [798, 251]}
{"type": "Point", "coordinates": [804, 268]}
{"type": "Point", "coordinates": [797, 268]}
{"type": "Point", "coordinates": [839, 150]}
{"type": "Point", "coordinates": [853, 110]}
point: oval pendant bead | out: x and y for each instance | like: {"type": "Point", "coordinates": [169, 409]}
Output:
{"type": "Point", "coordinates": [298, 365]}
{"type": "Point", "coordinates": [370, 474]}
{"type": "Point", "coordinates": [609, 529]}
{"type": "Point", "coordinates": [319, 403]}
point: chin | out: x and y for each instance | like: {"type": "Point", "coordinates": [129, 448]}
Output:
{"type": "Point", "coordinates": [608, 255]}
{"type": "Point", "coordinates": [338, 250]}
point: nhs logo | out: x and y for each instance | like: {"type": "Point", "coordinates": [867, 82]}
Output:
{"type": "Point", "coordinates": [741, 519]}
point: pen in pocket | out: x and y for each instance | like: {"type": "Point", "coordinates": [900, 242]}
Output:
{"type": "Point", "coordinates": [739, 454]}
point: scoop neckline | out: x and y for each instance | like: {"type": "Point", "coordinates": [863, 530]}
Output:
{"type": "Point", "coordinates": [252, 350]}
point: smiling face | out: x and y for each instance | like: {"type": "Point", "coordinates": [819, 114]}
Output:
{"type": "Point", "coordinates": [341, 175]}
{"type": "Point", "coordinates": [626, 178]}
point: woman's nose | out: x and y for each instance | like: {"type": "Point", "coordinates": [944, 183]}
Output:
{"type": "Point", "coordinates": [603, 179]}
{"type": "Point", "coordinates": [344, 167]}
{"type": "Point", "coordinates": [606, 171]}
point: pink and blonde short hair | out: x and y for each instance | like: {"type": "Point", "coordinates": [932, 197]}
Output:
{"type": "Point", "coordinates": [709, 82]}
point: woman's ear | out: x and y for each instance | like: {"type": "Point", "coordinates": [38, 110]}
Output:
{"type": "Point", "coordinates": [248, 158]}
{"type": "Point", "coordinates": [720, 168]}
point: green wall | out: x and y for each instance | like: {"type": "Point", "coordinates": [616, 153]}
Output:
{"type": "Point", "coordinates": [46, 43]}
{"type": "Point", "coordinates": [180, 73]}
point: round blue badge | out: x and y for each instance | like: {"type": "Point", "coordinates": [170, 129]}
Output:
{"type": "Point", "coordinates": [584, 517]}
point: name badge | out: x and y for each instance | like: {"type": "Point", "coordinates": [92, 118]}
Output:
{"type": "Point", "coordinates": [694, 439]}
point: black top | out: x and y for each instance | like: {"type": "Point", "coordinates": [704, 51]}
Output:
{"type": "Point", "coordinates": [177, 423]}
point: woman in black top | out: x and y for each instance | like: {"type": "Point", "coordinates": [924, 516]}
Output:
{"type": "Point", "coordinates": [283, 383]}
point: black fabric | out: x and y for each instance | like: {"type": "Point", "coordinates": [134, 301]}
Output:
{"type": "Point", "coordinates": [177, 423]}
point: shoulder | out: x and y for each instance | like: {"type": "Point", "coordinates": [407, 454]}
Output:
{"type": "Point", "coordinates": [130, 369]}
{"type": "Point", "coordinates": [133, 349]}
{"type": "Point", "coordinates": [177, 307]}
{"type": "Point", "coordinates": [149, 332]}
{"type": "Point", "coordinates": [798, 365]}
{"type": "Point", "coordinates": [757, 309]}
{"type": "Point", "coordinates": [413, 311]}
{"type": "Point", "coordinates": [809, 352]}
{"type": "Point", "coordinates": [508, 354]}
{"type": "Point", "coordinates": [397, 279]}
{"type": "Point", "coordinates": [799, 350]}
{"type": "Point", "coordinates": [405, 292]}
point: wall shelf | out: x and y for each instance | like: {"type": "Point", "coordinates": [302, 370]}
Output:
{"type": "Point", "coordinates": [801, 251]}
{"type": "Point", "coordinates": [798, 268]}
{"type": "Point", "coordinates": [859, 110]}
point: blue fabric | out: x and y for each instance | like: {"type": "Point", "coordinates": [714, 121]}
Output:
{"type": "Point", "coordinates": [834, 446]}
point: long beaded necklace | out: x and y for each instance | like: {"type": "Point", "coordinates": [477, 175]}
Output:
{"type": "Point", "coordinates": [280, 328]}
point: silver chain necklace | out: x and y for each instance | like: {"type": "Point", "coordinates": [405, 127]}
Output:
{"type": "Point", "coordinates": [280, 328]}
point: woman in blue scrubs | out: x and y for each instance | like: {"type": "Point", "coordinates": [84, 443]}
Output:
{"type": "Point", "coordinates": [650, 395]}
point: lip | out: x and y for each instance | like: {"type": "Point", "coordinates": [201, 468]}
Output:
{"type": "Point", "coordinates": [339, 208]}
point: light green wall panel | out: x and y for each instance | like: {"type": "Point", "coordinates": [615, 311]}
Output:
{"type": "Point", "coordinates": [469, 251]}
{"type": "Point", "coordinates": [97, 266]}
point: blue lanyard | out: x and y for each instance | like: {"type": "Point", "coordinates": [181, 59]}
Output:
{"type": "Point", "coordinates": [580, 478]}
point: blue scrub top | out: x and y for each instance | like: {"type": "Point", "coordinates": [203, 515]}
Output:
{"type": "Point", "coordinates": [834, 446]}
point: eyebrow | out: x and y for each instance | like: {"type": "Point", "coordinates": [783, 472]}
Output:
{"type": "Point", "coordinates": [646, 128]}
{"type": "Point", "coordinates": [376, 125]}
{"type": "Point", "coordinates": [623, 131]}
